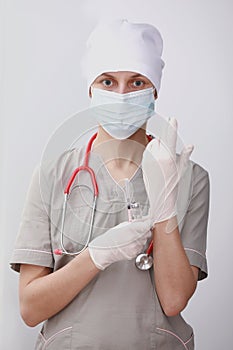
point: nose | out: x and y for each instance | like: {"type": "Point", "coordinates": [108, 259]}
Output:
{"type": "Point", "coordinates": [122, 88]}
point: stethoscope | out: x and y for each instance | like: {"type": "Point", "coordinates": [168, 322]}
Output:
{"type": "Point", "coordinates": [144, 261]}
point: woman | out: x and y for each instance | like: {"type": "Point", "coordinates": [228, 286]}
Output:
{"type": "Point", "coordinates": [98, 299]}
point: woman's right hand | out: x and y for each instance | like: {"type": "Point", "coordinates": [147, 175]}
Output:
{"type": "Point", "coordinates": [122, 242]}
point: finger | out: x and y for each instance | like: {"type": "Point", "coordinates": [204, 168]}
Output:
{"type": "Point", "coordinates": [172, 135]}
{"type": "Point", "coordinates": [153, 146]}
{"type": "Point", "coordinates": [169, 136]}
{"type": "Point", "coordinates": [187, 150]}
{"type": "Point", "coordinates": [185, 155]}
{"type": "Point", "coordinates": [142, 226]}
{"type": "Point", "coordinates": [145, 218]}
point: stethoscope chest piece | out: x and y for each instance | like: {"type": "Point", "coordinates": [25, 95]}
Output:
{"type": "Point", "coordinates": [144, 261]}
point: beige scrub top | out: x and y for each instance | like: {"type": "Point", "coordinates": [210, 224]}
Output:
{"type": "Point", "coordinates": [119, 309]}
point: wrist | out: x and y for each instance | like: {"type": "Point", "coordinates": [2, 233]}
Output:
{"type": "Point", "coordinates": [99, 260]}
{"type": "Point", "coordinates": [163, 208]}
{"type": "Point", "coordinates": [167, 226]}
{"type": "Point", "coordinates": [91, 261]}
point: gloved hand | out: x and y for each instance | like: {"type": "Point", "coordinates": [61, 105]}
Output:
{"type": "Point", "coordinates": [122, 242]}
{"type": "Point", "coordinates": [162, 171]}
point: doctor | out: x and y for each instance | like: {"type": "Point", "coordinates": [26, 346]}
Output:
{"type": "Point", "coordinates": [99, 299]}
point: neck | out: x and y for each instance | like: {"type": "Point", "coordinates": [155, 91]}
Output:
{"type": "Point", "coordinates": [119, 153]}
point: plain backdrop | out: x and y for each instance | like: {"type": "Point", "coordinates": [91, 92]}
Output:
{"type": "Point", "coordinates": [41, 85]}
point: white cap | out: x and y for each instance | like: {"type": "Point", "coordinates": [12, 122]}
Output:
{"type": "Point", "coordinates": [123, 46]}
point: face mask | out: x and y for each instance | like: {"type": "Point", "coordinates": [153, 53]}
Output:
{"type": "Point", "coordinates": [121, 115]}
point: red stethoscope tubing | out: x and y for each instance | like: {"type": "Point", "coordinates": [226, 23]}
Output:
{"type": "Point", "coordinates": [150, 248]}
{"type": "Point", "coordinates": [85, 167]}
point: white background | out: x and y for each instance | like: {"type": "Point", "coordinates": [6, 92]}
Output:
{"type": "Point", "coordinates": [41, 85]}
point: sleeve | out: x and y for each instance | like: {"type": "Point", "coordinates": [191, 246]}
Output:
{"type": "Point", "coordinates": [194, 230]}
{"type": "Point", "coordinates": [33, 244]}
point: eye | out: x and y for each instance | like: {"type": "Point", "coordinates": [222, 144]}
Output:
{"type": "Point", "coordinates": [107, 82]}
{"type": "Point", "coordinates": [138, 83]}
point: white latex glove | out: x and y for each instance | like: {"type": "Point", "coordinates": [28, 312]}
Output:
{"type": "Point", "coordinates": [122, 242]}
{"type": "Point", "coordinates": [162, 171]}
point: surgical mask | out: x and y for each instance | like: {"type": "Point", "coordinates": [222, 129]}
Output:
{"type": "Point", "coordinates": [121, 115]}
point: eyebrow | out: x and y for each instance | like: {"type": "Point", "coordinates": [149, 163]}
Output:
{"type": "Point", "coordinates": [111, 76]}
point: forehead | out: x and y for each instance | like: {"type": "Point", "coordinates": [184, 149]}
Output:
{"type": "Point", "coordinates": [122, 75]}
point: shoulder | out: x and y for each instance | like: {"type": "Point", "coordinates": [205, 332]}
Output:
{"type": "Point", "coordinates": [200, 185]}
{"type": "Point", "coordinates": [199, 173]}
{"type": "Point", "coordinates": [193, 185]}
{"type": "Point", "coordinates": [53, 174]}
{"type": "Point", "coordinates": [194, 173]}
{"type": "Point", "coordinates": [65, 162]}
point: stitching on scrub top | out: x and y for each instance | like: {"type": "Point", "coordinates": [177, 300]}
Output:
{"type": "Point", "coordinates": [169, 332]}
{"type": "Point", "coordinates": [34, 250]}
{"type": "Point", "coordinates": [54, 335]}
{"type": "Point", "coordinates": [130, 180]}
{"type": "Point", "coordinates": [189, 339]}
{"type": "Point", "coordinates": [42, 337]}
{"type": "Point", "coordinates": [196, 251]}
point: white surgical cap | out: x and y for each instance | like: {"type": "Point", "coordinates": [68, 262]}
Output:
{"type": "Point", "coordinates": [123, 46]}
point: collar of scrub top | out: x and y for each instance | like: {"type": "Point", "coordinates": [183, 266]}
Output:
{"type": "Point", "coordinates": [85, 167]}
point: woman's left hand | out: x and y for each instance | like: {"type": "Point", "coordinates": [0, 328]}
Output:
{"type": "Point", "coordinates": [162, 170]}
